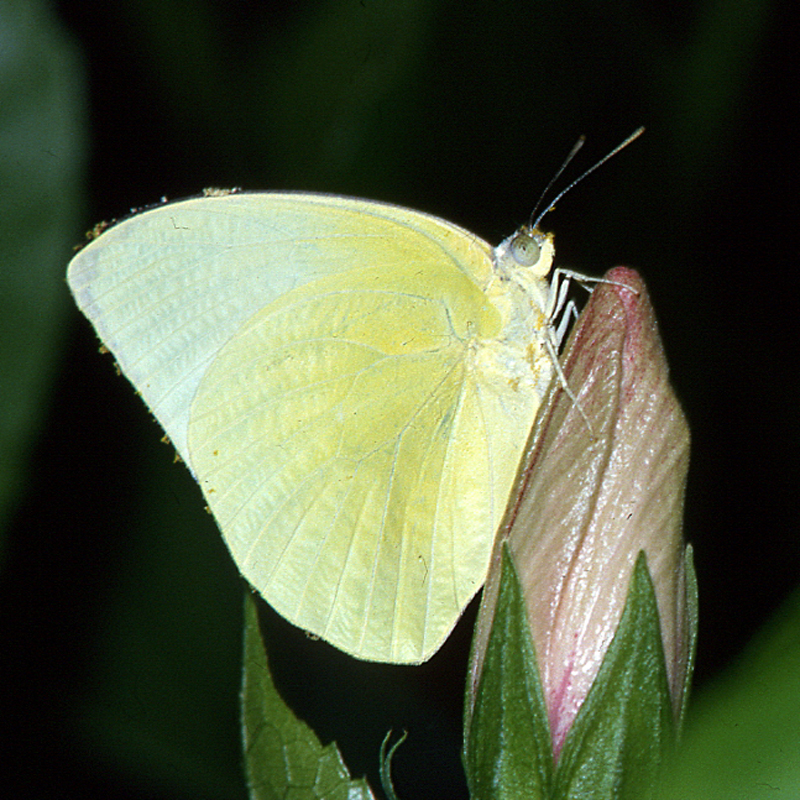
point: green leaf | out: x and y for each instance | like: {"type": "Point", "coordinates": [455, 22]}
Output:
{"type": "Point", "coordinates": [42, 142]}
{"type": "Point", "coordinates": [742, 737]}
{"type": "Point", "coordinates": [624, 728]}
{"type": "Point", "coordinates": [508, 751]}
{"type": "Point", "coordinates": [283, 757]}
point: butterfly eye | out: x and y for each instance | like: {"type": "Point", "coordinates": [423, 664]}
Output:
{"type": "Point", "coordinates": [526, 249]}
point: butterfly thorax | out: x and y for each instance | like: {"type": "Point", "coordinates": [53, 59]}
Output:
{"type": "Point", "coordinates": [520, 290]}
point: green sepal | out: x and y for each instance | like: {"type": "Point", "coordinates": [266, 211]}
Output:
{"type": "Point", "coordinates": [508, 751]}
{"type": "Point", "coordinates": [625, 728]}
{"type": "Point", "coordinates": [283, 756]}
{"type": "Point", "coordinates": [386, 764]}
{"type": "Point", "coordinates": [692, 617]}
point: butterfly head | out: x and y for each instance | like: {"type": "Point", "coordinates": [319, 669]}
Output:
{"type": "Point", "coordinates": [528, 251]}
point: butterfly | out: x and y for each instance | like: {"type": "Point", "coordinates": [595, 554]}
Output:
{"type": "Point", "coordinates": [351, 383]}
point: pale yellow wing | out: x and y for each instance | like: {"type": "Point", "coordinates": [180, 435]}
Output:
{"type": "Point", "coordinates": [341, 378]}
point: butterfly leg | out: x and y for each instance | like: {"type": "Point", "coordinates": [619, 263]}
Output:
{"type": "Point", "coordinates": [569, 314]}
{"type": "Point", "coordinates": [586, 281]}
{"type": "Point", "coordinates": [559, 306]}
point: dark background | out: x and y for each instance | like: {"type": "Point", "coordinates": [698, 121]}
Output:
{"type": "Point", "coordinates": [121, 608]}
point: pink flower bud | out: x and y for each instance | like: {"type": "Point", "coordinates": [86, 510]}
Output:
{"type": "Point", "coordinates": [590, 500]}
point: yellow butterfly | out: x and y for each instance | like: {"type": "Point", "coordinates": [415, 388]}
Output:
{"type": "Point", "coordinates": [350, 382]}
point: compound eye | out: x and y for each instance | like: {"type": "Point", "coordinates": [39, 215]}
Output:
{"type": "Point", "coordinates": [526, 249]}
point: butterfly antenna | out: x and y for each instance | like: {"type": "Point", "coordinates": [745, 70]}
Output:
{"type": "Point", "coordinates": [535, 224]}
{"type": "Point", "coordinates": [577, 146]}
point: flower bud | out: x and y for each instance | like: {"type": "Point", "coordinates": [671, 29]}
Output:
{"type": "Point", "coordinates": [602, 480]}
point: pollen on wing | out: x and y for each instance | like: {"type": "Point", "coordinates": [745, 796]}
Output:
{"type": "Point", "coordinates": [533, 355]}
